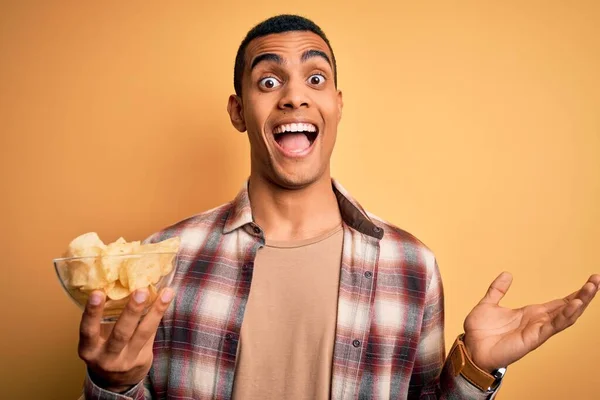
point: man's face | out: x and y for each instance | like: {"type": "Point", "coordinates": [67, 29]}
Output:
{"type": "Point", "coordinates": [289, 106]}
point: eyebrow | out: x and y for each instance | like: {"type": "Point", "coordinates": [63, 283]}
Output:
{"type": "Point", "coordinates": [266, 57]}
{"type": "Point", "coordinates": [307, 55]}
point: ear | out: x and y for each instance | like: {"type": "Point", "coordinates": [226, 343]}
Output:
{"type": "Point", "coordinates": [236, 113]}
{"type": "Point", "coordinates": [340, 104]}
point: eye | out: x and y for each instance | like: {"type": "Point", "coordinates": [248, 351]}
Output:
{"type": "Point", "coordinates": [316, 79]}
{"type": "Point", "coordinates": [269, 83]}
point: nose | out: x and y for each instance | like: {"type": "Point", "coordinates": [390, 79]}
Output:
{"type": "Point", "coordinates": [294, 96]}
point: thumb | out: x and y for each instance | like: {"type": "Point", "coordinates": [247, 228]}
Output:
{"type": "Point", "coordinates": [497, 289]}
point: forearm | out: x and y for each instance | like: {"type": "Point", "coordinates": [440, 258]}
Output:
{"type": "Point", "coordinates": [449, 386]}
{"type": "Point", "coordinates": [435, 376]}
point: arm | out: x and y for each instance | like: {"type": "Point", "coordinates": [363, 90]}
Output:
{"type": "Point", "coordinates": [495, 336]}
{"type": "Point", "coordinates": [119, 356]}
{"type": "Point", "coordinates": [433, 375]}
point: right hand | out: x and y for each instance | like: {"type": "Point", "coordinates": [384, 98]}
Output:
{"type": "Point", "coordinates": [119, 355]}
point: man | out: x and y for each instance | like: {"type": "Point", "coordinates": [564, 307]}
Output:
{"type": "Point", "coordinates": [292, 290]}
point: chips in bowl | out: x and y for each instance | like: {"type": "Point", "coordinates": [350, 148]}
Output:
{"type": "Point", "coordinates": [118, 269]}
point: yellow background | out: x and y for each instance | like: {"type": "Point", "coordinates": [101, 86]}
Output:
{"type": "Point", "coordinates": [475, 126]}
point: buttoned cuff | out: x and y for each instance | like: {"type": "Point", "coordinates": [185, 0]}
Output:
{"type": "Point", "coordinates": [92, 391]}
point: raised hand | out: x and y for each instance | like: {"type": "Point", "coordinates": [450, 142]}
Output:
{"type": "Point", "coordinates": [119, 355]}
{"type": "Point", "coordinates": [496, 336]}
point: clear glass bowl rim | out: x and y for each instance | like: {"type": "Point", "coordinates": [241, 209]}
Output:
{"type": "Point", "coordinates": [61, 259]}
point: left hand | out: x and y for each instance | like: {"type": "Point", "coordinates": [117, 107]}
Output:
{"type": "Point", "coordinates": [496, 336]}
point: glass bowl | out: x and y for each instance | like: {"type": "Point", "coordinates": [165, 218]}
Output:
{"type": "Point", "coordinates": [118, 276]}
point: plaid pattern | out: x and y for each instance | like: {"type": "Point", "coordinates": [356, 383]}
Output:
{"type": "Point", "coordinates": [390, 325]}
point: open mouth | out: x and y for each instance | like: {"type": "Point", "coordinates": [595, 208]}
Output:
{"type": "Point", "coordinates": [295, 138]}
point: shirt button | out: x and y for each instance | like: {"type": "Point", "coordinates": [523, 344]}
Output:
{"type": "Point", "coordinates": [376, 229]}
{"type": "Point", "coordinates": [356, 343]}
{"type": "Point", "coordinates": [246, 267]}
{"type": "Point", "coordinates": [256, 230]}
{"type": "Point", "coordinates": [368, 274]}
{"type": "Point", "coordinates": [228, 337]}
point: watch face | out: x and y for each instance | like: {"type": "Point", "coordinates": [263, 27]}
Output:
{"type": "Point", "coordinates": [499, 373]}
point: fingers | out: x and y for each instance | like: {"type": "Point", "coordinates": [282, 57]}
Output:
{"type": "Point", "coordinates": [89, 328]}
{"type": "Point", "coordinates": [147, 328]}
{"type": "Point", "coordinates": [595, 279]}
{"type": "Point", "coordinates": [586, 294]}
{"type": "Point", "coordinates": [572, 308]}
{"type": "Point", "coordinates": [563, 319]}
{"type": "Point", "coordinates": [497, 289]}
{"type": "Point", "coordinates": [555, 305]}
{"type": "Point", "coordinates": [127, 322]}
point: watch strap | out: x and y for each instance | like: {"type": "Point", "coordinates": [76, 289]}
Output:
{"type": "Point", "coordinates": [463, 365]}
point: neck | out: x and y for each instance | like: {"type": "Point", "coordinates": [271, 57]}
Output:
{"type": "Point", "coordinates": [298, 214]}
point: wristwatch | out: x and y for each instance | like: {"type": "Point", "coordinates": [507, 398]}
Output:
{"type": "Point", "coordinates": [463, 365]}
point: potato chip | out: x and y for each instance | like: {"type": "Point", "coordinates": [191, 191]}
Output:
{"type": "Point", "coordinates": [111, 263]}
{"type": "Point", "coordinates": [123, 276]}
{"type": "Point", "coordinates": [110, 267]}
{"type": "Point", "coordinates": [112, 308]}
{"type": "Point", "coordinates": [143, 271]}
{"type": "Point", "coordinates": [78, 273]}
{"type": "Point", "coordinates": [166, 263]}
{"type": "Point", "coordinates": [121, 247]}
{"type": "Point", "coordinates": [79, 296]}
{"type": "Point", "coordinates": [118, 268]}
{"type": "Point", "coordinates": [87, 274]}
{"type": "Point", "coordinates": [153, 293]}
{"type": "Point", "coordinates": [167, 246]}
{"type": "Point", "coordinates": [117, 292]}
{"type": "Point", "coordinates": [170, 245]}
{"type": "Point", "coordinates": [88, 244]}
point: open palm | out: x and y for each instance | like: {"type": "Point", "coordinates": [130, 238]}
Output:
{"type": "Point", "coordinates": [496, 336]}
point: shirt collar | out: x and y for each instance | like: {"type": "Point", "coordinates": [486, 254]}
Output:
{"type": "Point", "coordinates": [352, 212]}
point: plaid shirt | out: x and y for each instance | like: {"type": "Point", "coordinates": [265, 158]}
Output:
{"type": "Point", "coordinates": [389, 341]}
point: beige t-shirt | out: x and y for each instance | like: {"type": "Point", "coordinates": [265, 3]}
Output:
{"type": "Point", "coordinates": [288, 332]}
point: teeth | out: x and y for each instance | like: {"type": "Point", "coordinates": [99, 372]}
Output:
{"type": "Point", "coordinates": [295, 127]}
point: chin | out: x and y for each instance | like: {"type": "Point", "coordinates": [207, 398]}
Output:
{"type": "Point", "coordinates": [296, 179]}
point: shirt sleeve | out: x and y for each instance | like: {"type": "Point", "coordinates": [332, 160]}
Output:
{"type": "Point", "coordinates": [433, 376]}
{"type": "Point", "coordinates": [93, 392]}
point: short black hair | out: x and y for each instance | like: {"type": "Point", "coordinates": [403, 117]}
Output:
{"type": "Point", "coordinates": [277, 24]}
